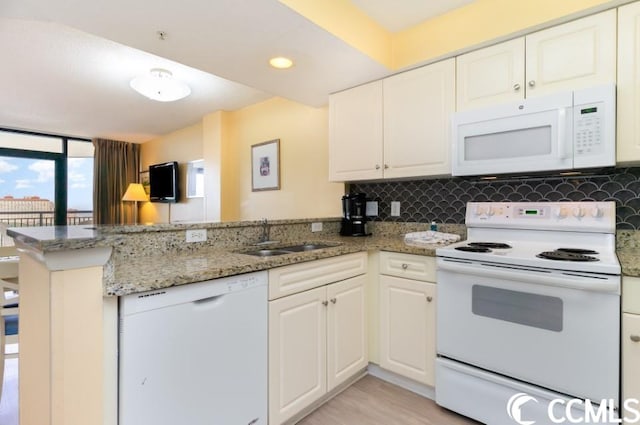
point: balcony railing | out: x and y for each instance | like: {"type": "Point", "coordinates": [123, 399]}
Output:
{"type": "Point", "coordinates": [38, 218]}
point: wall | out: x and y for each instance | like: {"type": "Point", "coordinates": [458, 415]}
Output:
{"type": "Point", "coordinates": [305, 191]}
{"type": "Point", "coordinates": [478, 23]}
{"type": "Point", "coordinates": [182, 145]}
{"type": "Point", "coordinates": [444, 200]}
{"type": "Point", "coordinates": [224, 140]}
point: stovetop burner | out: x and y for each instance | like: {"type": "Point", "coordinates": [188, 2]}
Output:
{"type": "Point", "coordinates": [495, 245]}
{"type": "Point", "coordinates": [472, 249]}
{"type": "Point", "coordinates": [578, 251]}
{"type": "Point", "coordinates": [566, 256]}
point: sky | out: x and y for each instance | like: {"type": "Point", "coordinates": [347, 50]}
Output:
{"type": "Point", "coordinates": [20, 177]}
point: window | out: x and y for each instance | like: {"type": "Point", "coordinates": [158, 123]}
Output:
{"type": "Point", "coordinates": [45, 179]}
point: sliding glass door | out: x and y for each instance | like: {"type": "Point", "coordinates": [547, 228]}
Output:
{"type": "Point", "coordinates": [45, 180]}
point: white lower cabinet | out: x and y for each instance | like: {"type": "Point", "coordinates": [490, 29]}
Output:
{"type": "Point", "coordinates": [317, 340]}
{"type": "Point", "coordinates": [630, 356]}
{"type": "Point", "coordinates": [408, 317]}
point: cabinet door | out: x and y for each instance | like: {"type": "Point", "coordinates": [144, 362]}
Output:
{"type": "Point", "coordinates": [630, 356]}
{"type": "Point", "coordinates": [346, 330]}
{"type": "Point", "coordinates": [417, 109]}
{"type": "Point", "coordinates": [355, 133]}
{"type": "Point", "coordinates": [407, 328]}
{"type": "Point", "coordinates": [297, 353]}
{"type": "Point", "coordinates": [628, 142]}
{"type": "Point", "coordinates": [577, 54]}
{"type": "Point", "coordinates": [491, 75]}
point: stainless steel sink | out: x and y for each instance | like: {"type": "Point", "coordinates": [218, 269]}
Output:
{"type": "Point", "coordinates": [286, 250]}
{"type": "Point", "coordinates": [267, 252]}
{"type": "Point", "coordinates": [306, 247]}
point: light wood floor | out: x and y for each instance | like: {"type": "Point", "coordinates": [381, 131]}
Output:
{"type": "Point", "coordinates": [371, 401]}
{"type": "Point", "coordinates": [9, 401]}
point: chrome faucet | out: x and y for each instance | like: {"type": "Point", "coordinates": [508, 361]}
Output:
{"type": "Point", "coordinates": [265, 231]}
{"type": "Point", "coordinates": [264, 239]}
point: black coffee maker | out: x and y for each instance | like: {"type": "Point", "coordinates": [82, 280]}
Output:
{"type": "Point", "coordinates": [354, 219]}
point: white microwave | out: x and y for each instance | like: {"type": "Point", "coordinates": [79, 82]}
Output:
{"type": "Point", "coordinates": [563, 131]}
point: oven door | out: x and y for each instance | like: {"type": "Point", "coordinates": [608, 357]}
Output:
{"type": "Point", "coordinates": [559, 330]}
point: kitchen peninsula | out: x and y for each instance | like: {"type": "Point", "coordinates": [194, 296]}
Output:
{"type": "Point", "coordinates": [71, 278]}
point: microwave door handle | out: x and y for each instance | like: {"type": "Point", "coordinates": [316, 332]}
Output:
{"type": "Point", "coordinates": [562, 132]}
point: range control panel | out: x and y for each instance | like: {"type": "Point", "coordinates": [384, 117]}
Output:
{"type": "Point", "coordinates": [585, 216]}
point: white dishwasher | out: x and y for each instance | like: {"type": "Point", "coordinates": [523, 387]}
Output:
{"type": "Point", "coordinates": [195, 354]}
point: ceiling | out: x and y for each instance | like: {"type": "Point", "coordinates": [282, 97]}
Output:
{"type": "Point", "coordinates": [67, 63]}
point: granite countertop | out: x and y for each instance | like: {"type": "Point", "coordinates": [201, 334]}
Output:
{"type": "Point", "coordinates": [629, 261]}
{"type": "Point", "coordinates": [126, 274]}
{"type": "Point", "coordinates": [211, 263]}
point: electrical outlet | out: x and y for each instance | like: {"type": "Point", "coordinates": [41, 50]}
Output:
{"type": "Point", "coordinates": [395, 209]}
{"type": "Point", "coordinates": [196, 235]}
{"type": "Point", "coordinates": [371, 209]}
{"type": "Point", "coordinates": [316, 227]}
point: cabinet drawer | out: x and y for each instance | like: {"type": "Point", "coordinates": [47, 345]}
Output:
{"type": "Point", "coordinates": [296, 278]}
{"type": "Point", "coordinates": [409, 266]}
{"type": "Point", "coordinates": [631, 295]}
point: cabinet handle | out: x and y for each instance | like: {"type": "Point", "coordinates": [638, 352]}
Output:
{"type": "Point", "coordinates": [333, 300]}
{"type": "Point", "coordinates": [405, 266]}
{"type": "Point", "coordinates": [325, 303]}
{"type": "Point", "coordinates": [516, 87]}
{"type": "Point", "coordinates": [429, 298]}
{"type": "Point", "coordinates": [635, 338]}
{"type": "Point", "coordinates": [386, 166]}
{"type": "Point", "coordinates": [532, 83]}
{"type": "Point", "coordinates": [377, 166]}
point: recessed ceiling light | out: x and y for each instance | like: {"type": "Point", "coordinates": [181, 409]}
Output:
{"type": "Point", "coordinates": [280, 62]}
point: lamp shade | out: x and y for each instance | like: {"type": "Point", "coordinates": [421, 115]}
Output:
{"type": "Point", "coordinates": [160, 85]}
{"type": "Point", "coordinates": [135, 192]}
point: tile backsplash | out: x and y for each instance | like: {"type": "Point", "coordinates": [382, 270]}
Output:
{"type": "Point", "coordinates": [444, 200]}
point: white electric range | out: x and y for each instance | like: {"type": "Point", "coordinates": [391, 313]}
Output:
{"type": "Point", "coordinates": [529, 304]}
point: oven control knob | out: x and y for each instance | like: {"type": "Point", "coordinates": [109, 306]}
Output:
{"type": "Point", "coordinates": [480, 211]}
{"type": "Point", "coordinates": [490, 211]}
{"type": "Point", "coordinates": [597, 212]}
{"type": "Point", "coordinates": [578, 212]}
{"type": "Point", "coordinates": [560, 212]}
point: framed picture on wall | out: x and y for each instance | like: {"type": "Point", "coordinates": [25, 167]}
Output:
{"type": "Point", "coordinates": [144, 180]}
{"type": "Point", "coordinates": [265, 166]}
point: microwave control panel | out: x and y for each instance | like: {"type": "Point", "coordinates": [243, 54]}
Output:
{"type": "Point", "coordinates": [588, 121]}
{"type": "Point", "coordinates": [594, 126]}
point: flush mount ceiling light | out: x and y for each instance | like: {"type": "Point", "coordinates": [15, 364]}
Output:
{"type": "Point", "coordinates": [160, 85]}
{"type": "Point", "coordinates": [280, 62]}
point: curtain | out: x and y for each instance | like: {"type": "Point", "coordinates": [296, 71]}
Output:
{"type": "Point", "coordinates": [115, 165]}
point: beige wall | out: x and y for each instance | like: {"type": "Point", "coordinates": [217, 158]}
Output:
{"type": "Point", "coordinates": [305, 191]}
{"type": "Point", "coordinates": [224, 140]}
{"type": "Point", "coordinates": [183, 146]}
{"type": "Point", "coordinates": [479, 22]}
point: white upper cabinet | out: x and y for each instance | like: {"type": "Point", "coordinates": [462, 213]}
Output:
{"type": "Point", "coordinates": [491, 75]}
{"type": "Point", "coordinates": [417, 108]}
{"type": "Point", "coordinates": [355, 133]}
{"type": "Point", "coordinates": [574, 55]}
{"type": "Point", "coordinates": [628, 110]}
{"type": "Point", "coordinates": [577, 54]}
{"type": "Point", "coordinates": [413, 108]}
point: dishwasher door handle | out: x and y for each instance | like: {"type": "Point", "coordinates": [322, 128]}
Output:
{"type": "Point", "coordinates": [209, 302]}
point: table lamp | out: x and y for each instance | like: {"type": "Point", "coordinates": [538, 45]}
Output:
{"type": "Point", "coordinates": [135, 192]}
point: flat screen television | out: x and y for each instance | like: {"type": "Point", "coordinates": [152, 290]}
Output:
{"type": "Point", "coordinates": [163, 182]}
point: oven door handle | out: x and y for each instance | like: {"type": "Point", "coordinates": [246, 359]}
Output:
{"type": "Point", "coordinates": [573, 280]}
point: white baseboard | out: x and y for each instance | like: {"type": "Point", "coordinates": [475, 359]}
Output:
{"type": "Point", "coordinates": [402, 382]}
